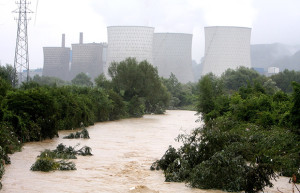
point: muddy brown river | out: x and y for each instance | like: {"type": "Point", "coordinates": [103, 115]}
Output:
{"type": "Point", "coordinates": [123, 152]}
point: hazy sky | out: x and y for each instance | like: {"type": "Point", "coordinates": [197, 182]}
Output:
{"type": "Point", "coordinates": [271, 21]}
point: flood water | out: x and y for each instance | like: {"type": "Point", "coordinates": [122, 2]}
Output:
{"type": "Point", "coordinates": [123, 152]}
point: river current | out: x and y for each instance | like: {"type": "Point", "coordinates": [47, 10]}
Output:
{"type": "Point", "coordinates": [123, 152]}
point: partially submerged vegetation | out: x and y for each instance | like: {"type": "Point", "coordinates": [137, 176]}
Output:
{"type": "Point", "coordinates": [79, 134]}
{"type": "Point", "coordinates": [49, 164]}
{"type": "Point", "coordinates": [47, 159]}
{"type": "Point", "coordinates": [251, 134]}
{"type": "Point", "coordinates": [251, 125]}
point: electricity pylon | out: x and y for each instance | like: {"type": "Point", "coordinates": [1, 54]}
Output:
{"type": "Point", "coordinates": [21, 62]}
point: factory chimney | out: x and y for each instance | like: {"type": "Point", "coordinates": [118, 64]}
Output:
{"type": "Point", "coordinates": [63, 41]}
{"type": "Point", "coordinates": [81, 38]}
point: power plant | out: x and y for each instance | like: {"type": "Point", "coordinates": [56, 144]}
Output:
{"type": "Point", "coordinates": [226, 47]}
{"type": "Point", "coordinates": [172, 53]}
{"type": "Point", "coordinates": [64, 63]}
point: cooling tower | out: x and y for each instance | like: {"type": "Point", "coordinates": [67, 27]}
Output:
{"type": "Point", "coordinates": [56, 62]}
{"type": "Point", "coordinates": [226, 47]}
{"type": "Point", "coordinates": [172, 53]}
{"type": "Point", "coordinates": [87, 58]}
{"type": "Point", "coordinates": [129, 41]}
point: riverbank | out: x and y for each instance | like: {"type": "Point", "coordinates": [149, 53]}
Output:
{"type": "Point", "coordinates": [123, 152]}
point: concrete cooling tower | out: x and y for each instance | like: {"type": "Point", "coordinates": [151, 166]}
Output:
{"type": "Point", "coordinates": [172, 53]}
{"type": "Point", "coordinates": [129, 41]}
{"type": "Point", "coordinates": [56, 61]}
{"type": "Point", "coordinates": [87, 58]}
{"type": "Point", "coordinates": [226, 47]}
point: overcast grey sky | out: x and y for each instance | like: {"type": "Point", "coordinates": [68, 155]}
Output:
{"type": "Point", "coordinates": [271, 21]}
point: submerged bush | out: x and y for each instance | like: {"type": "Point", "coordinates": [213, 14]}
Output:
{"type": "Point", "coordinates": [46, 160]}
{"type": "Point", "coordinates": [64, 152]}
{"type": "Point", "coordinates": [47, 164]}
{"type": "Point", "coordinates": [222, 171]}
{"type": "Point", "coordinates": [82, 134]}
{"type": "Point", "coordinates": [214, 159]}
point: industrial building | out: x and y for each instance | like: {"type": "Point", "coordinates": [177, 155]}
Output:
{"type": "Point", "coordinates": [226, 47]}
{"type": "Point", "coordinates": [129, 41]}
{"type": "Point", "coordinates": [172, 53]}
{"type": "Point", "coordinates": [87, 58]}
{"type": "Point", "coordinates": [56, 61]}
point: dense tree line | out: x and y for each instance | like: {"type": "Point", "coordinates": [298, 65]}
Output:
{"type": "Point", "coordinates": [40, 108]}
{"type": "Point", "coordinates": [248, 118]}
{"type": "Point", "coordinates": [251, 134]}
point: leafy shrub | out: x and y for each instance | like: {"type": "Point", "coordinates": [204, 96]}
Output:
{"type": "Point", "coordinates": [82, 134]}
{"type": "Point", "coordinates": [64, 152]}
{"type": "Point", "coordinates": [47, 164]}
{"type": "Point", "coordinates": [222, 171]}
{"type": "Point", "coordinates": [63, 165]}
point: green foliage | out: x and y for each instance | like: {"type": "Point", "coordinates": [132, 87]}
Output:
{"type": "Point", "coordinates": [295, 110]}
{"type": "Point", "coordinates": [82, 134]}
{"type": "Point", "coordinates": [118, 107]}
{"type": "Point", "coordinates": [139, 83]}
{"type": "Point", "coordinates": [182, 95]}
{"type": "Point", "coordinates": [250, 133]}
{"type": "Point", "coordinates": [64, 165]}
{"type": "Point", "coordinates": [31, 113]}
{"type": "Point", "coordinates": [64, 152]}
{"type": "Point", "coordinates": [210, 88]}
{"type": "Point", "coordinates": [82, 79]}
{"type": "Point", "coordinates": [46, 81]}
{"type": "Point", "coordinates": [241, 77]}
{"type": "Point", "coordinates": [136, 107]}
{"type": "Point", "coordinates": [283, 80]}
{"type": "Point", "coordinates": [7, 73]}
{"type": "Point", "coordinates": [102, 82]}
{"type": "Point", "coordinates": [45, 165]}
{"type": "Point", "coordinates": [222, 171]}
{"type": "Point", "coordinates": [48, 164]}
{"type": "Point", "coordinates": [8, 140]}
{"type": "Point", "coordinates": [46, 160]}
{"type": "Point", "coordinates": [4, 87]}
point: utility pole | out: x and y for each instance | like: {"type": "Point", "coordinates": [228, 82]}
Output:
{"type": "Point", "coordinates": [21, 62]}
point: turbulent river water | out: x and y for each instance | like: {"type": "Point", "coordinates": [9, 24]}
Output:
{"type": "Point", "coordinates": [123, 152]}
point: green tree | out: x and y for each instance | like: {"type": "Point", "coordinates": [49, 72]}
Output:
{"type": "Point", "coordinates": [132, 79]}
{"type": "Point", "coordinates": [295, 111]}
{"type": "Point", "coordinates": [102, 82]}
{"type": "Point", "coordinates": [82, 79]}
{"type": "Point", "coordinates": [49, 81]}
{"type": "Point", "coordinates": [284, 79]}
{"type": "Point", "coordinates": [234, 79]}
{"type": "Point", "coordinates": [7, 73]}
{"type": "Point", "coordinates": [210, 88]}
{"type": "Point", "coordinates": [32, 114]}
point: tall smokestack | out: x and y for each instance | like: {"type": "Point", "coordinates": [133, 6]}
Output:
{"type": "Point", "coordinates": [63, 40]}
{"type": "Point", "coordinates": [81, 38]}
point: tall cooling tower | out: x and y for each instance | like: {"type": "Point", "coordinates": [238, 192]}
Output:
{"type": "Point", "coordinates": [226, 47]}
{"type": "Point", "coordinates": [56, 62]}
{"type": "Point", "coordinates": [87, 58]}
{"type": "Point", "coordinates": [172, 53]}
{"type": "Point", "coordinates": [129, 41]}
